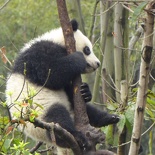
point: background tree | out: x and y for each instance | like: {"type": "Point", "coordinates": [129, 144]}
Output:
{"type": "Point", "coordinates": [23, 20]}
{"type": "Point", "coordinates": [143, 80]}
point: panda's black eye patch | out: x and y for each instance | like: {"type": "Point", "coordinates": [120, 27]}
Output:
{"type": "Point", "coordinates": [86, 50]}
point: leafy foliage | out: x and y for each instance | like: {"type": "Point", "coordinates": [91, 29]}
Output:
{"type": "Point", "coordinates": [22, 20]}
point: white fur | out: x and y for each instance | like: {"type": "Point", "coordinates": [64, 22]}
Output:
{"type": "Point", "coordinates": [45, 97]}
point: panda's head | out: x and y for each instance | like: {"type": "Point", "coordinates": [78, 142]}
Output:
{"type": "Point", "coordinates": [84, 45]}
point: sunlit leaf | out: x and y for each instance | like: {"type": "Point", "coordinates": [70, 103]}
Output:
{"type": "Point", "coordinates": [112, 106]}
{"type": "Point", "coordinates": [39, 105]}
{"type": "Point", "coordinates": [150, 101]}
{"type": "Point", "coordinates": [109, 135]}
{"type": "Point", "coordinates": [150, 113]}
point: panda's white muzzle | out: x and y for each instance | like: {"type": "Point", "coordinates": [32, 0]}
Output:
{"type": "Point", "coordinates": [92, 67]}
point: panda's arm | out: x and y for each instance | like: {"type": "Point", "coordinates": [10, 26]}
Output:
{"type": "Point", "coordinates": [46, 62]}
{"type": "Point", "coordinates": [65, 69]}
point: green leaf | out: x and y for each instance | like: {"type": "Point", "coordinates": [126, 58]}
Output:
{"type": "Point", "coordinates": [150, 101]}
{"type": "Point", "coordinates": [129, 114]}
{"type": "Point", "coordinates": [25, 152]}
{"type": "Point", "coordinates": [109, 134]}
{"type": "Point", "coordinates": [7, 143]}
{"type": "Point", "coordinates": [150, 94]}
{"type": "Point", "coordinates": [112, 106]}
{"type": "Point", "coordinates": [149, 112]}
{"type": "Point", "coordinates": [18, 152]}
{"type": "Point", "coordinates": [121, 123]}
{"type": "Point", "coordinates": [39, 105]}
{"type": "Point", "coordinates": [138, 10]}
{"type": "Point", "coordinates": [129, 126]}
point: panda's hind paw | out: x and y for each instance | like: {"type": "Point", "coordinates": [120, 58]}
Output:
{"type": "Point", "coordinates": [113, 119]}
{"type": "Point", "coordinates": [110, 119]}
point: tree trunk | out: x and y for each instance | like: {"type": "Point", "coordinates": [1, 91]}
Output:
{"type": "Point", "coordinates": [104, 28]}
{"type": "Point", "coordinates": [143, 80]}
{"type": "Point", "coordinates": [108, 67]}
{"type": "Point", "coordinates": [125, 75]}
{"type": "Point", "coordinates": [124, 97]}
{"type": "Point", "coordinates": [81, 118]}
{"type": "Point", "coordinates": [118, 44]}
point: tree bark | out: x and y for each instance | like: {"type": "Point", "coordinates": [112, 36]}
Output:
{"type": "Point", "coordinates": [81, 117]}
{"type": "Point", "coordinates": [124, 97]}
{"type": "Point", "coordinates": [143, 80]}
{"type": "Point", "coordinates": [134, 39]}
{"type": "Point", "coordinates": [108, 66]}
{"type": "Point", "coordinates": [118, 43]}
{"type": "Point", "coordinates": [80, 114]}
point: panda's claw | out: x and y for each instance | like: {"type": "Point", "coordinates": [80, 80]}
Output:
{"type": "Point", "coordinates": [109, 119]}
{"type": "Point", "coordinates": [85, 92]}
{"type": "Point", "coordinates": [115, 119]}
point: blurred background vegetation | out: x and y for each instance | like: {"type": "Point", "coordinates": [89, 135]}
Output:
{"type": "Point", "coordinates": [22, 20]}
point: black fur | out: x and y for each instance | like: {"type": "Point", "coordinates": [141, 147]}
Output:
{"type": "Point", "coordinates": [44, 57]}
{"type": "Point", "coordinates": [99, 118]}
{"type": "Point", "coordinates": [74, 24]}
{"type": "Point", "coordinates": [58, 114]}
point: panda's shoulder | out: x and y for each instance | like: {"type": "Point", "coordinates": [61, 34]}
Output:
{"type": "Point", "coordinates": [43, 48]}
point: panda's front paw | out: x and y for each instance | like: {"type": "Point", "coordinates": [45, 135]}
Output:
{"type": "Point", "coordinates": [85, 92]}
{"type": "Point", "coordinates": [78, 62]}
{"type": "Point", "coordinates": [109, 119]}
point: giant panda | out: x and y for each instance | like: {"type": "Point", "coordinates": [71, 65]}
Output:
{"type": "Point", "coordinates": [43, 68]}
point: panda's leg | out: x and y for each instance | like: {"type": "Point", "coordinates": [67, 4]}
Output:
{"type": "Point", "coordinates": [99, 118]}
{"type": "Point", "coordinates": [57, 113]}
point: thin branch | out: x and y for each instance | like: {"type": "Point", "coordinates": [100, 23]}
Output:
{"type": "Point", "coordinates": [45, 150]}
{"type": "Point", "coordinates": [106, 9]}
{"type": "Point", "coordinates": [93, 20]}
{"type": "Point", "coordinates": [116, 89]}
{"type": "Point", "coordinates": [5, 4]}
{"type": "Point", "coordinates": [36, 147]}
{"type": "Point", "coordinates": [152, 77]}
{"type": "Point", "coordinates": [64, 134]}
{"type": "Point", "coordinates": [3, 54]}
{"type": "Point", "coordinates": [129, 9]}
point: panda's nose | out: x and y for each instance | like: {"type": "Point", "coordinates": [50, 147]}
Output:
{"type": "Point", "coordinates": [98, 64]}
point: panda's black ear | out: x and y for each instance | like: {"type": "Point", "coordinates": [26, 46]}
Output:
{"type": "Point", "coordinates": [74, 24]}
